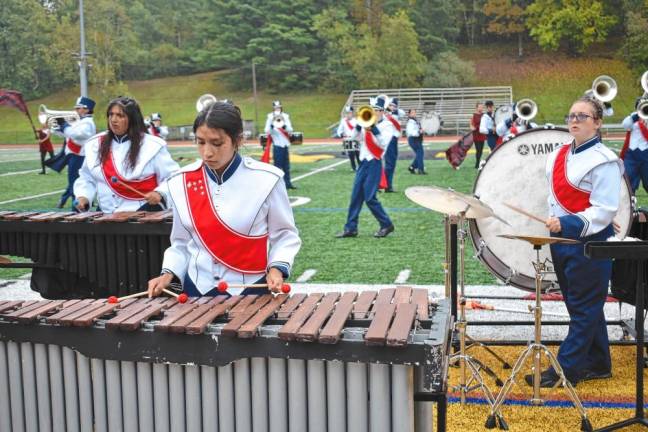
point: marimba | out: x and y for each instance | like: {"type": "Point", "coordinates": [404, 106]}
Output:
{"type": "Point", "coordinates": [319, 362]}
{"type": "Point", "coordinates": [87, 254]}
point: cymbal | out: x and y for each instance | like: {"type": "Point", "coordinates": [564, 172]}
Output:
{"type": "Point", "coordinates": [450, 202]}
{"type": "Point", "coordinates": [539, 240]}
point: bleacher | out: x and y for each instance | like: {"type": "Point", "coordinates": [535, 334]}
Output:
{"type": "Point", "coordinates": [454, 105]}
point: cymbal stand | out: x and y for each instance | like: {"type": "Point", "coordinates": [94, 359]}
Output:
{"type": "Point", "coordinates": [535, 350]}
{"type": "Point", "coordinates": [466, 362]}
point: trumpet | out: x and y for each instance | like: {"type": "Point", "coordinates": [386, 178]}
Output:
{"type": "Point", "coordinates": [278, 121]}
{"type": "Point", "coordinates": [526, 109]}
{"type": "Point", "coordinates": [366, 116]}
{"type": "Point", "coordinates": [204, 101]}
{"type": "Point", "coordinates": [49, 117]}
{"type": "Point", "coordinates": [604, 88]}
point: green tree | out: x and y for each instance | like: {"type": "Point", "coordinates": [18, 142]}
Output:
{"type": "Point", "coordinates": [506, 18]}
{"type": "Point", "coordinates": [573, 23]}
{"type": "Point", "coordinates": [635, 49]}
{"type": "Point", "coordinates": [446, 69]}
{"type": "Point", "coordinates": [334, 27]}
{"type": "Point", "coordinates": [436, 23]}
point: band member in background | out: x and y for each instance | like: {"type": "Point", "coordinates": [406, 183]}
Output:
{"type": "Point", "coordinates": [393, 114]}
{"type": "Point", "coordinates": [232, 219]}
{"type": "Point", "coordinates": [44, 145]}
{"type": "Point", "coordinates": [278, 128]}
{"type": "Point", "coordinates": [124, 165]}
{"type": "Point", "coordinates": [635, 149]}
{"type": "Point", "coordinates": [512, 126]}
{"type": "Point", "coordinates": [584, 178]}
{"type": "Point", "coordinates": [156, 128]}
{"type": "Point", "coordinates": [346, 131]}
{"type": "Point", "coordinates": [487, 125]}
{"type": "Point", "coordinates": [415, 141]}
{"type": "Point", "coordinates": [478, 137]}
{"type": "Point", "coordinates": [373, 142]}
{"type": "Point", "coordinates": [76, 135]}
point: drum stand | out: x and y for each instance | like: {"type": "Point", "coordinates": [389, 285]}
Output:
{"type": "Point", "coordinates": [476, 381]}
{"type": "Point", "coordinates": [536, 349]}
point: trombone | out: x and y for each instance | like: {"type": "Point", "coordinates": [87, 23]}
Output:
{"type": "Point", "coordinates": [49, 117]}
{"type": "Point", "coordinates": [366, 116]}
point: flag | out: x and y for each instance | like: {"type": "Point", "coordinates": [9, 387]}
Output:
{"type": "Point", "coordinates": [13, 99]}
{"type": "Point", "coordinates": [266, 153]}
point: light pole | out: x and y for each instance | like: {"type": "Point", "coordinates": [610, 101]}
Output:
{"type": "Point", "coordinates": [83, 60]}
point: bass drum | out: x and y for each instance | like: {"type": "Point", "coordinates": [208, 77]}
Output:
{"type": "Point", "coordinates": [502, 113]}
{"type": "Point", "coordinates": [515, 173]}
{"type": "Point", "coordinates": [430, 123]}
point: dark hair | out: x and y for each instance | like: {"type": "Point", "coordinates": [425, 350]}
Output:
{"type": "Point", "coordinates": [220, 115]}
{"type": "Point", "coordinates": [595, 104]}
{"type": "Point", "coordinates": [489, 103]}
{"type": "Point", "coordinates": [135, 132]}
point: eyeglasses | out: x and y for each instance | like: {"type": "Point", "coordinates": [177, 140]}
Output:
{"type": "Point", "coordinates": [578, 117]}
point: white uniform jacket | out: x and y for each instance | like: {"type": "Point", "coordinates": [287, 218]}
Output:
{"type": "Point", "coordinates": [413, 128]}
{"type": "Point", "coordinates": [503, 128]}
{"type": "Point", "coordinates": [637, 140]}
{"type": "Point", "coordinates": [596, 169]}
{"type": "Point", "coordinates": [346, 132]}
{"type": "Point", "coordinates": [154, 159]}
{"type": "Point", "coordinates": [399, 114]}
{"type": "Point", "coordinates": [386, 129]}
{"type": "Point", "coordinates": [486, 125]}
{"type": "Point", "coordinates": [278, 138]}
{"type": "Point", "coordinates": [79, 131]}
{"type": "Point", "coordinates": [251, 198]}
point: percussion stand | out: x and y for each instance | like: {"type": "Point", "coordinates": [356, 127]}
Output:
{"type": "Point", "coordinates": [535, 349]}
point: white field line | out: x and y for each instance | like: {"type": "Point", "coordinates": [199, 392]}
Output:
{"type": "Point", "coordinates": [403, 276]}
{"type": "Point", "coordinates": [333, 165]}
{"type": "Point", "coordinates": [306, 276]}
{"type": "Point", "coordinates": [297, 201]}
{"type": "Point", "coordinates": [20, 160]}
{"type": "Point", "coordinates": [31, 197]}
{"type": "Point", "coordinates": [19, 172]}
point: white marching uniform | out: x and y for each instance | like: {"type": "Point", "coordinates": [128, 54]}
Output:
{"type": "Point", "coordinates": [486, 125]}
{"type": "Point", "coordinates": [153, 159]}
{"type": "Point", "coordinates": [637, 140]}
{"type": "Point", "coordinates": [594, 168]}
{"type": "Point", "coordinates": [162, 133]}
{"type": "Point", "coordinates": [502, 129]}
{"type": "Point", "coordinates": [413, 128]}
{"type": "Point", "coordinates": [278, 138]}
{"type": "Point", "coordinates": [79, 132]}
{"type": "Point", "coordinates": [252, 201]}
{"type": "Point", "coordinates": [346, 132]}
{"type": "Point", "coordinates": [399, 114]}
{"type": "Point", "coordinates": [383, 139]}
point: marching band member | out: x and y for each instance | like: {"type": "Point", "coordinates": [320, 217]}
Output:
{"type": "Point", "coordinates": [478, 137]}
{"type": "Point", "coordinates": [635, 149]}
{"type": "Point", "coordinates": [156, 128]}
{"type": "Point", "coordinates": [487, 125]}
{"type": "Point", "coordinates": [393, 114]}
{"type": "Point", "coordinates": [415, 141]}
{"type": "Point", "coordinates": [76, 135]}
{"type": "Point", "coordinates": [346, 131]}
{"type": "Point", "coordinates": [373, 142]}
{"type": "Point", "coordinates": [512, 126]}
{"type": "Point", "coordinates": [124, 165]}
{"type": "Point", "coordinates": [232, 219]}
{"type": "Point", "coordinates": [278, 128]}
{"type": "Point", "coordinates": [44, 145]}
{"type": "Point", "coordinates": [585, 180]}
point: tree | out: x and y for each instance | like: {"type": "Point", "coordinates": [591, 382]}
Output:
{"type": "Point", "coordinates": [506, 19]}
{"type": "Point", "coordinates": [448, 70]}
{"type": "Point", "coordinates": [635, 50]}
{"type": "Point", "coordinates": [338, 33]}
{"type": "Point", "coordinates": [573, 23]}
{"type": "Point", "coordinates": [436, 23]}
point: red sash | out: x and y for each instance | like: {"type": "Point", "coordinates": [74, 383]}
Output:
{"type": "Point", "coordinates": [570, 197]}
{"type": "Point", "coordinates": [153, 131]}
{"type": "Point", "coordinates": [626, 142]}
{"type": "Point", "coordinates": [373, 148]}
{"type": "Point", "coordinates": [349, 125]}
{"type": "Point", "coordinates": [393, 121]}
{"type": "Point", "coordinates": [145, 185]}
{"type": "Point", "coordinates": [241, 253]}
{"type": "Point", "coordinates": [74, 147]}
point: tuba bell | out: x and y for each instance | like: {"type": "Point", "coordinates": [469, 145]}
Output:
{"type": "Point", "coordinates": [49, 117]}
{"type": "Point", "coordinates": [604, 88]}
{"type": "Point", "coordinates": [526, 109]}
{"type": "Point", "coordinates": [366, 116]}
{"type": "Point", "coordinates": [642, 107]}
{"type": "Point", "coordinates": [204, 101]}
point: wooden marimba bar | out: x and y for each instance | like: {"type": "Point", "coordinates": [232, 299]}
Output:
{"type": "Point", "coordinates": [319, 362]}
{"type": "Point", "coordinates": [87, 254]}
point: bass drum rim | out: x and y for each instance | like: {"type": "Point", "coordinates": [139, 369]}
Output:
{"type": "Point", "coordinates": [492, 262]}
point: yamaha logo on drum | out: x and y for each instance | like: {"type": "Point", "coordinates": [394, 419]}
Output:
{"type": "Point", "coordinates": [537, 149]}
{"type": "Point", "coordinates": [523, 149]}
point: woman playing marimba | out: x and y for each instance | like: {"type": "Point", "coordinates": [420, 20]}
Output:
{"type": "Point", "coordinates": [124, 165]}
{"type": "Point", "coordinates": [232, 219]}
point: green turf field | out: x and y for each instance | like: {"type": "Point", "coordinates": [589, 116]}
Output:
{"type": "Point", "coordinates": [416, 245]}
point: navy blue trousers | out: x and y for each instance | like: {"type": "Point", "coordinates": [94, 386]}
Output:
{"type": "Point", "coordinates": [416, 143]}
{"type": "Point", "coordinates": [74, 164]}
{"type": "Point", "coordinates": [365, 187]}
{"type": "Point", "coordinates": [282, 161]}
{"type": "Point", "coordinates": [636, 166]}
{"type": "Point", "coordinates": [391, 156]}
{"type": "Point", "coordinates": [491, 140]}
{"type": "Point", "coordinates": [584, 286]}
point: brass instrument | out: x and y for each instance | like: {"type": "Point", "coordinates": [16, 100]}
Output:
{"type": "Point", "coordinates": [366, 116]}
{"type": "Point", "coordinates": [604, 88]}
{"type": "Point", "coordinates": [642, 107]}
{"type": "Point", "coordinates": [204, 101]}
{"type": "Point", "coordinates": [278, 121]}
{"type": "Point", "coordinates": [526, 109]}
{"type": "Point", "coordinates": [49, 117]}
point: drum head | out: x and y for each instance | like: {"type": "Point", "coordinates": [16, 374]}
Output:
{"type": "Point", "coordinates": [430, 123]}
{"type": "Point", "coordinates": [502, 113]}
{"type": "Point", "coordinates": [515, 173]}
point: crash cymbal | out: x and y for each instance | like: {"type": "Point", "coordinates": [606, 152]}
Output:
{"type": "Point", "coordinates": [450, 202]}
{"type": "Point", "coordinates": [539, 240]}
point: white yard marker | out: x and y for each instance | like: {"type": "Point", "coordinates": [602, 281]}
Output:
{"type": "Point", "coordinates": [19, 172]}
{"type": "Point", "coordinates": [333, 165]}
{"type": "Point", "coordinates": [403, 276]}
{"type": "Point", "coordinates": [305, 277]}
{"type": "Point", "coordinates": [31, 197]}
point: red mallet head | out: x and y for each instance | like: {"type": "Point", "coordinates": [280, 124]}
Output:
{"type": "Point", "coordinates": [182, 298]}
{"type": "Point", "coordinates": [285, 288]}
{"type": "Point", "coordinates": [114, 179]}
{"type": "Point", "coordinates": [113, 299]}
{"type": "Point", "coordinates": [222, 286]}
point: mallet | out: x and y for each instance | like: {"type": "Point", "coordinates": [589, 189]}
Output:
{"type": "Point", "coordinates": [223, 286]}
{"type": "Point", "coordinates": [115, 180]}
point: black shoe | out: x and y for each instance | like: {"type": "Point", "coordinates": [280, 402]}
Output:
{"type": "Point", "coordinates": [389, 190]}
{"type": "Point", "coordinates": [548, 379]}
{"type": "Point", "coordinates": [344, 234]}
{"type": "Point", "coordinates": [291, 187]}
{"type": "Point", "coordinates": [60, 205]}
{"type": "Point", "coordinates": [589, 375]}
{"type": "Point", "coordinates": [411, 169]}
{"type": "Point", "coordinates": [384, 232]}
{"type": "Point", "coordinates": [422, 172]}
{"type": "Point", "coordinates": [42, 172]}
